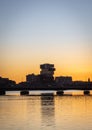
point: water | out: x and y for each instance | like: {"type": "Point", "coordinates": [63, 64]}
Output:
{"type": "Point", "coordinates": [46, 112]}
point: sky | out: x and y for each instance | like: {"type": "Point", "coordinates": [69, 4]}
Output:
{"type": "Point", "coordinates": [33, 32]}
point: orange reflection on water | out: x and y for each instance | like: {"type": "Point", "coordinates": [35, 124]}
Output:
{"type": "Point", "coordinates": [73, 110]}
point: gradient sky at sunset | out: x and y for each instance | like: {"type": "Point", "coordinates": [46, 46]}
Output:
{"type": "Point", "coordinates": [33, 32]}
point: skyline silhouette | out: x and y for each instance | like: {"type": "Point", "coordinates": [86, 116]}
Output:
{"type": "Point", "coordinates": [47, 70]}
{"type": "Point", "coordinates": [45, 81]}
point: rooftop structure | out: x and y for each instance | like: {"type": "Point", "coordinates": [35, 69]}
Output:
{"type": "Point", "coordinates": [47, 69]}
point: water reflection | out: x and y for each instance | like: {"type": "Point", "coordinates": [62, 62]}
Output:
{"type": "Point", "coordinates": [48, 111]}
{"type": "Point", "coordinates": [74, 112]}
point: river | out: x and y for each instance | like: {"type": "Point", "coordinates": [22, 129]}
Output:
{"type": "Point", "coordinates": [46, 112]}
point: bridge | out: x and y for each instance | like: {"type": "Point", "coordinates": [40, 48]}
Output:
{"type": "Point", "coordinates": [25, 88]}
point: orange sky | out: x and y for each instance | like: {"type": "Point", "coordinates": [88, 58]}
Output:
{"type": "Point", "coordinates": [38, 32]}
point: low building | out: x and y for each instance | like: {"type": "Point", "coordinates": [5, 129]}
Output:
{"type": "Point", "coordinates": [32, 78]}
{"type": "Point", "coordinates": [5, 82]}
{"type": "Point", "coordinates": [63, 80]}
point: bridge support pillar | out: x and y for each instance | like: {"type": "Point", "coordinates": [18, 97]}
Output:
{"type": "Point", "coordinates": [60, 92]}
{"type": "Point", "coordinates": [86, 92]}
{"type": "Point", "coordinates": [24, 92]}
{"type": "Point", "coordinates": [2, 92]}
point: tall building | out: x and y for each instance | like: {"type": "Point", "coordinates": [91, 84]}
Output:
{"type": "Point", "coordinates": [47, 69]}
{"type": "Point", "coordinates": [47, 72]}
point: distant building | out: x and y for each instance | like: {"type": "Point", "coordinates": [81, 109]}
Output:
{"type": "Point", "coordinates": [32, 78]}
{"type": "Point", "coordinates": [47, 72]}
{"type": "Point", "coordinates": [63, 80]}
{"type": "Point", "coordinates": [6, 82]}
{"type": "Point", "coordinates": [47, 69]}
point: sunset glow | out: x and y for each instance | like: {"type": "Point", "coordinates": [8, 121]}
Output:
{"type": "Point", "coordinates": [34, 32]}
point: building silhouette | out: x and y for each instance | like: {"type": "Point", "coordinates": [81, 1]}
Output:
{"type": "Point", "coordinates": [47, 69]}
{"type": "Point", "coordinates": [31, 78]}
{"type": "Point", "coordinates": [63, 80]}
{"type": "Point", "coordinates": [45, 81]}
{"type": "Point", "coordinates": [47, 73]}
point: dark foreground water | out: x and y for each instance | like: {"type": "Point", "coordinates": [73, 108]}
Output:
{"type": "Point", "coordinates": [46, 112]}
